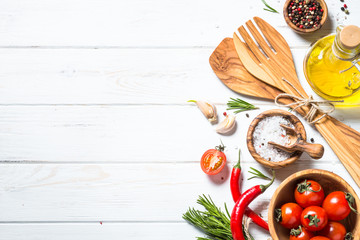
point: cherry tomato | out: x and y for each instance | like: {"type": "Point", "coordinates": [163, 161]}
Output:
{"type": "Point", "coordinates": [334, 231]}
{"type": "Point", "coordinates": [309, 193]}
{"type": "Point", "coordinates": [213, 160]}
{"type": "Point", "coordinates": [289, 215]}
{"type": "Point", "coordinates": [338, 205]}
{"type": "Point", "coordinates": [314, 218]}
{"type": "Point", "coordinates": [300, 234]}
{"type": "Point", "coordinates": [320, 238]}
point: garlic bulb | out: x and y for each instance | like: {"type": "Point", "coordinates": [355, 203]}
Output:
{"type": "Point", "coordinates": [208, 109]}
{"type": "Point", "coordinates": [226, 125]}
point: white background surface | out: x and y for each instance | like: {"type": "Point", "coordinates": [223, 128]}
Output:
{"type": "Point", "coordinates": [97, 139]}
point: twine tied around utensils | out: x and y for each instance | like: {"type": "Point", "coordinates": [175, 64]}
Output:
{"type": "Point", "coordinates": [302, 101]}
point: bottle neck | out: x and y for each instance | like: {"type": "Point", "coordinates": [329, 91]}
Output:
{"type": "Point", "coordinates": [340, 51]}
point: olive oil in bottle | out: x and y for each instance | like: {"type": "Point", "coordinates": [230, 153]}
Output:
{"type": "Point", "coordinates": [331, 66]}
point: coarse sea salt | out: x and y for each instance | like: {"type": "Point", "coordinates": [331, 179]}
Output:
{"type": "Point", "coordinates": [269, 129]}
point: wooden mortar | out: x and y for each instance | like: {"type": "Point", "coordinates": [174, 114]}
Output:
{"type": "Point", "coordinates": [274, 112]}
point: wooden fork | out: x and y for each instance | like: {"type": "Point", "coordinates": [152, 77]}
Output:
{"type": "Point", "coordinates": [270, 64]}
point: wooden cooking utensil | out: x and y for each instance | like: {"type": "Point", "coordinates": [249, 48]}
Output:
{"type": "Point", "coordinates": [250, 137]}
{"type": "Point", "coordinates": [271, 68]}
{"type": "Point", "coordinates": [230, 70]}
{"type": "Point", "coordinates": [296, 143]}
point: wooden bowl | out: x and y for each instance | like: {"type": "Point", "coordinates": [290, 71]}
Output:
{"type": "Point", "coordinates": [329, 181]}
{"type": "Point", "coordinates": [274, 112]}
{"type": "Point", "coordinates": [301, 30]}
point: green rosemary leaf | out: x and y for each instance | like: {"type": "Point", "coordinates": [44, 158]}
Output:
{"type": "Point", "coordinates": [270, 9]}
{"type": "Point", "coordinates": [213, 222]}
{"type": "Point", "coordinates": [239, 105]}
{"type": "Point", "coordinates": [257, 174]}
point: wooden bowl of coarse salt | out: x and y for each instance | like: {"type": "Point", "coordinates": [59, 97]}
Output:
{"type": "Point", "coordinates": [266, 127]}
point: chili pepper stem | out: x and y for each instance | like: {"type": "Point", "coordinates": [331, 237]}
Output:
{"type": "Point", "coordinates": [237, 165]}
{"type": "Point", "coordinates": [264, 187]}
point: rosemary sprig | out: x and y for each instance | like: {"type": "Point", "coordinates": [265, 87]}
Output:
{"type": "Point", "coordinates": [258, 174]}
{"type": "Point", "coordinates": [270, 9]}
{"type": "Point", "coordinates": [241, 105]}
{"type": "Point", "coordinates": [213, 222]}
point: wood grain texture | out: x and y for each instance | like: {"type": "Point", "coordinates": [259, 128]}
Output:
{"type": "Point", "coordinates": [106, 230]}
{"type": "Point", "coordinates": [118, 23]}
{"type": "Point", "coordinates": [125, 192]}
{"type": "Point", "coordinates": [94, 123]}
{"type": "Point", "coordinates": [74, 133]}
{"type": "Point", "coordinates": [229, 69]}
{"type": "Point", "coordinates": [272, 69]}
{"type": "Point", "coordinates": [250, 142]}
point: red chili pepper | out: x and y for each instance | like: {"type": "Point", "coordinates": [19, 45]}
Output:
{"type": "Point", "coordinates": [236, 194]}
{"type": "Point", "coordinates": [240, 207]}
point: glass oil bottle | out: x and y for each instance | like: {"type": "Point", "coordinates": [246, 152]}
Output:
{"type": "Point", "coordinates": [331, 66]}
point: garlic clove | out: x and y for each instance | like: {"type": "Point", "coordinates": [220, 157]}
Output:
{"type": "Point", "coordinates": [208, 109]}
{"type": "Point", "coordinates": [227, 125]}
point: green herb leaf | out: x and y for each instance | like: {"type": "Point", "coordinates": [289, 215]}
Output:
{"type": "Point", "coordinates": [258, 174]}
{"type": "Point", "coordinates": [241, 105]}
{"type": "Point", "coordinates": [213, 222]}
{"type": "Point", "coordinates": [270, 9]}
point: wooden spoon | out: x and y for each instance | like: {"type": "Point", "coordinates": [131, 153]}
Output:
{"type": "Point", "coordinates": [298, 144]}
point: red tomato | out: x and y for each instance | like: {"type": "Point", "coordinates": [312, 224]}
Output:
{"type": "Point", "coordinates": [320, 238]}
{"type": "Point", "coordinates": [309, 193]}
{"type": "Point", "coordinates": [300, 234]}
{"type": "Point", "coordinates": [337, 205]}
{"type": "Point", "coordinates": [334, 231]}
{"type": "Point", "coordinates": [314, 218]}
{"type": "Point", "coordinates": [289, 215]}
{"type": "Point", "coordinates": [213, 160]}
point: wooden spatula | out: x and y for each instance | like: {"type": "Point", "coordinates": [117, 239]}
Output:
{"type": "Point", "coordinates": [230, 70]}
{"type": "Point", "coordinates": [272, 69]}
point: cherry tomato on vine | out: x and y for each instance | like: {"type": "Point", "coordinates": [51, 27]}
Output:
{"type": "Point", "coordinates": [314, 218]}
{"type": "Point", "coordinates": [289, 215]}
{"type": "Point", "coordinates": [309, 193]}
{"type": "Point", "coordinates": [213, 160]}
{"type": "Point", "coordinates": [320, 238]}
{"type": "Point", "coordinates": [338, 205]}
{"type": "Point", "coordinates": [334, 231]}
{"type": "Point", "coordinates": [300, 234]}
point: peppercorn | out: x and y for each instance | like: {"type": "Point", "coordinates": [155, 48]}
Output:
{"type": "Point", "coordinates": [345, 6]}
{"type": "Point", "coordinates": [342, 9]}
{"type": "Point", "coordinates": [305, 14]}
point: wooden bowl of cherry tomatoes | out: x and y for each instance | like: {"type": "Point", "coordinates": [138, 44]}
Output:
{"type": "Point", "coordinates": [314, 204]}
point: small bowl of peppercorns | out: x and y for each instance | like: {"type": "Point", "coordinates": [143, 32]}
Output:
{"type": "Point", "coordinates": [305, 16]}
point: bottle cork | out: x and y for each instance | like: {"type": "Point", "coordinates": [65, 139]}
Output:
{"type": "Point", "coordinates": [350, 36]}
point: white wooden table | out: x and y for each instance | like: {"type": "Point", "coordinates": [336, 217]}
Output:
{"type": "Point", "coordinates": [97, 139]}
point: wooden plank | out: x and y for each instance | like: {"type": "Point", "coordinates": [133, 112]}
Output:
{"type": "Point", "coordinates": [109, 231]}
{"type": "Point", "coordinates": [122, 192]}
{"type": "Point", "coordinates": [142, 23]}
{"type": "Point", "coordinates": [106, 230]}
{"type": "Point", "coordinates": [114, 76]}
{"type": "Point", "coordinates": [145, 133]}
